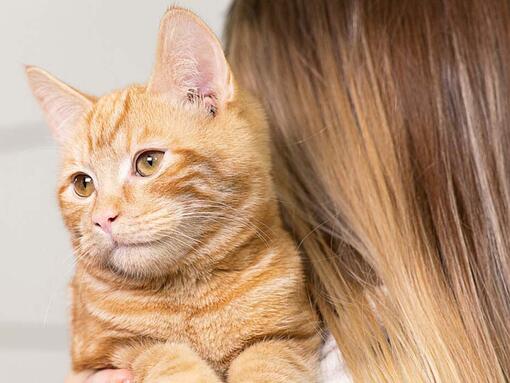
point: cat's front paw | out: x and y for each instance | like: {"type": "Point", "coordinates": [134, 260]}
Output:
{"type": "Point", "coordinates": [172, 363]}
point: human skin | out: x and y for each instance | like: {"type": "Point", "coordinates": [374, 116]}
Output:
{"type": "Point", "coordinates": [103, 376]}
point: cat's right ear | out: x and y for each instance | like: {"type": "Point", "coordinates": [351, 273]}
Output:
{"type": "Point", "coordinates": [62, 105]}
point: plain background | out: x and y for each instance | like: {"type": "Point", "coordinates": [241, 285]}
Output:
{"type": "Point", "coordinates": [96, 46]}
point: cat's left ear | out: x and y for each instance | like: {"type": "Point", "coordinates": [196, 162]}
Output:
{"type": "Point", "coordinates": [190, 62]}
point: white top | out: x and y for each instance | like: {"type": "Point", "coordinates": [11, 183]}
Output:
{"type": "Point", "coordinates": [332, 367]}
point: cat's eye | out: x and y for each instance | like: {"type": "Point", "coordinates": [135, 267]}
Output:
{"type": "Point", "coordinates": [147, 163]}
{"type": "Point", "coordinates": [83, 185]}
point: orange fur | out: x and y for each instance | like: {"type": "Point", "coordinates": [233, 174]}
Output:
{"type": "Point", "coordinates": [201, 282]}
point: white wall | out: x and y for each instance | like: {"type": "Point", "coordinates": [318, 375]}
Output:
{"type": "Point", "coordinates": [95, 45]}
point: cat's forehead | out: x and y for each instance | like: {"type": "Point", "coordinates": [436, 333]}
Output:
{"type": "Point", "coordinates": [105, 128]}
{"type": "Point", "coordinates": [117, 122]}
{"type": "Point", "coordinates": [124, 122]}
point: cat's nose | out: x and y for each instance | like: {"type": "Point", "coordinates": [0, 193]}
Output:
{"type": "Point", "coordinates": [104, 220]}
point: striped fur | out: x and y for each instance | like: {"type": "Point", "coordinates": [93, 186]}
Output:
{"type": "Point", "coordinates": [219, 280]}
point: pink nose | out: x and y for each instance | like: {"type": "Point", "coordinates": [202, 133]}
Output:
{"type": "Point", "coordinates": [104, 221]}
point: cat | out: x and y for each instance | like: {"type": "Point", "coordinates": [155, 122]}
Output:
{"type": "Point", "coordinates": [184, 272]}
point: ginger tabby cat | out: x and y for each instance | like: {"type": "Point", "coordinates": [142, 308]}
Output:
{"type": "Point", "coordinates": [183, 270]}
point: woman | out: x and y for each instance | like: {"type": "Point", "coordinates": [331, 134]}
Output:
{"type": "Point", "coordinates": [391, 131]}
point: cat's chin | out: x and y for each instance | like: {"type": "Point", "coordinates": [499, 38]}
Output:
{"type": "Point", "coordinates": [146, 260]}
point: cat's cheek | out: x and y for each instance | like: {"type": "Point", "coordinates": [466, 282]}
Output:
{"type": "Point", "coordinates": [74, 209]}
{"type": "Point", "coordinates": [73, 219]}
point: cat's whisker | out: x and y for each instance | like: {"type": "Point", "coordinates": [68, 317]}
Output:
{"type": "Point", "coordinates": [247, 222]}
{"type": "Point", "coordinates": [230, 208]}
{"type": "Point", "coordinates": [260, 234]}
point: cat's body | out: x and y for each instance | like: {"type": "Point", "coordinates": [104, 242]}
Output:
{"type": "Point", "coordinates": [256, 295]}
{"type": "Point", "coordinates": [184, 272]}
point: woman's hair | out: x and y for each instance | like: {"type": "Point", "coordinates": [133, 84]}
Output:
{"type": "Point", "coordinates": [391, 133]}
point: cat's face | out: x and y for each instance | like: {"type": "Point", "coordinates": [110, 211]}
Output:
{"type": "Point", "coordinates": [146, 185]}
{"type": "Point", "coordinates": [164, 176]}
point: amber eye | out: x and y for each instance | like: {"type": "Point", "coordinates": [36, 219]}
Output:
{"type": "Point", "coordinates": [83, 185]}
{"type": "Point", "coordinates": [148, 162]}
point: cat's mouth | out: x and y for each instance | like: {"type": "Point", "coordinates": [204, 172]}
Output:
{"type": "Point", "coordinates": [131, 245]}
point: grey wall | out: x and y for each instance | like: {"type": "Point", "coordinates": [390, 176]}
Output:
{"type": "Point", "coordinates": [95, 45]}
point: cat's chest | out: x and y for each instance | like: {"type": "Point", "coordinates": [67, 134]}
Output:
{"type": "Point", "coordinates": [216, 328]}
{"type": "Point", "coordinates": [217, 318]}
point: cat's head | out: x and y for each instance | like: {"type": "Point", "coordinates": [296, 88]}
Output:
{"type": "Point", "coordinates": [170, 174]}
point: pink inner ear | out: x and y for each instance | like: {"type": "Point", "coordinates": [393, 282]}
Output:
{"type": "Point", "coordinates": [62, 105]}
{"type": "Point", "coordinates": [190, 58]}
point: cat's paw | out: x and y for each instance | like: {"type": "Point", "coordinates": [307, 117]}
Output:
{"type": "Point", "coordinates": [172, 363]}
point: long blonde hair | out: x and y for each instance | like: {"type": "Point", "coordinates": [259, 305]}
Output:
{"type": "Point", "coordinates": [391, 133]}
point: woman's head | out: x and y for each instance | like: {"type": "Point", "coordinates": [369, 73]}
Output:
{"type": "Point", "coordinates": [391, 132]}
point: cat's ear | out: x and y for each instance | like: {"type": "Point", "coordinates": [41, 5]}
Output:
{"type": "Point", "coordinates": [190, 61]}
{"type": "Point", "coordinates": [62, 105]}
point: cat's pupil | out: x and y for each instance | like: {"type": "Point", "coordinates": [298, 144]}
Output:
{"type": "Point", "coordinates": [150, 160]}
